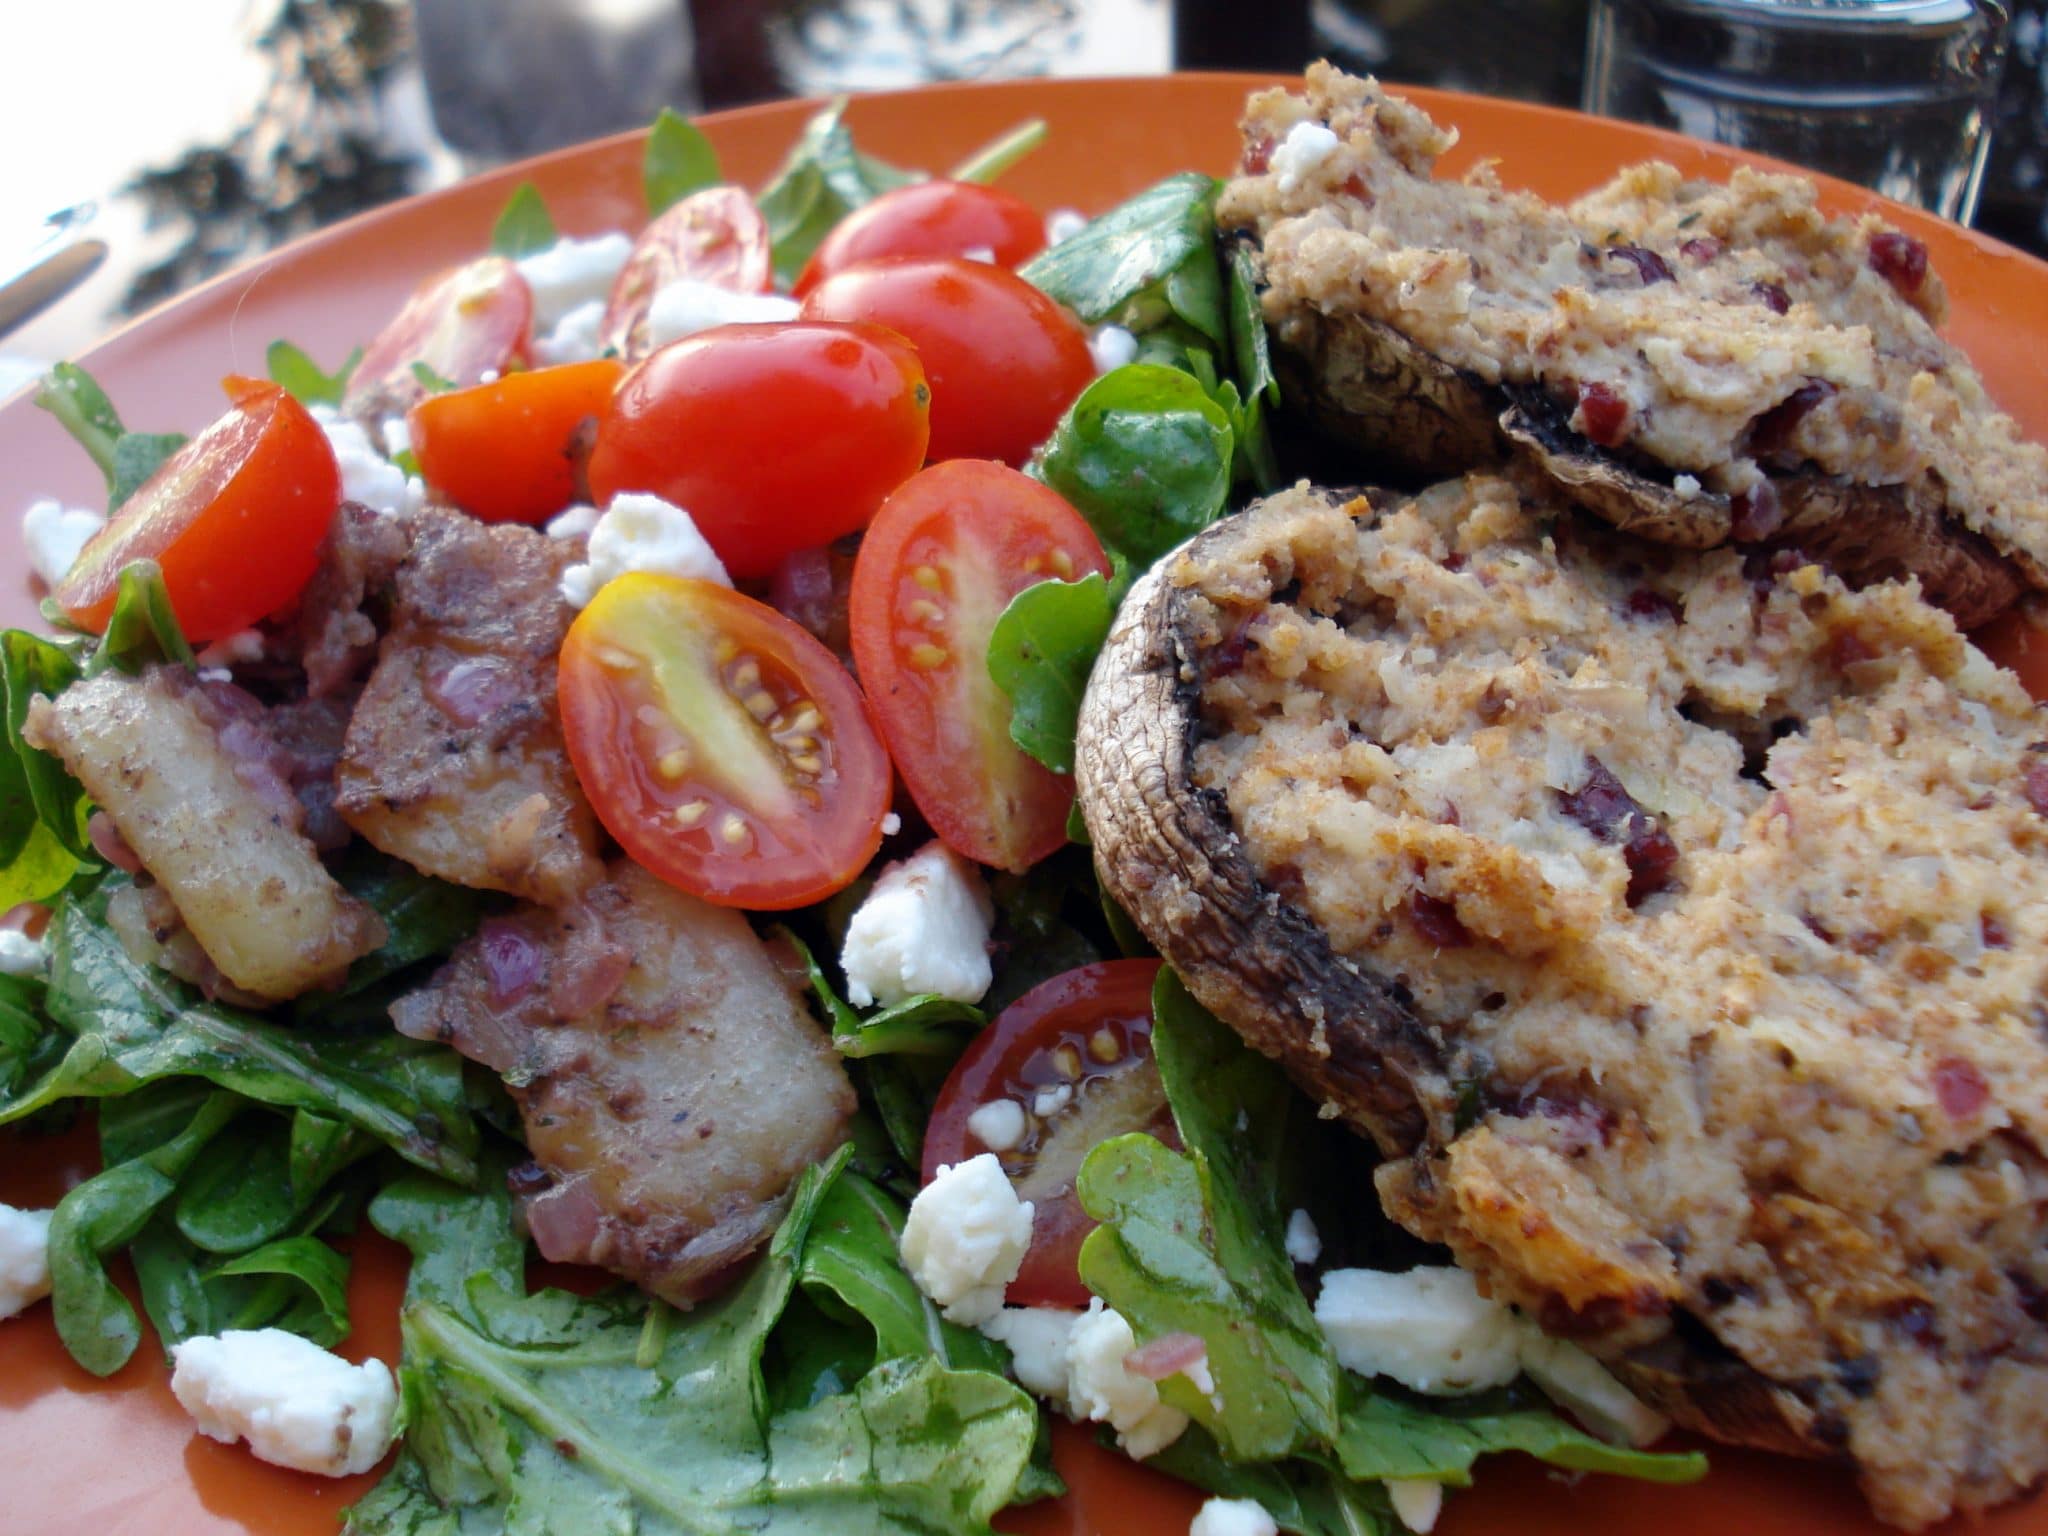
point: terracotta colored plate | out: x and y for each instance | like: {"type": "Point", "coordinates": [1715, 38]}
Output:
{"type": "Point", "coordinates": [118, 1456]}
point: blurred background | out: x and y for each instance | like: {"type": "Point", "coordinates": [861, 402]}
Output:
{"type": "Point", "coordinates": [188, 136]}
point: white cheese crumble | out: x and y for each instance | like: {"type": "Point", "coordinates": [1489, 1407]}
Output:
{"type": "Point", "coordinates": [891, 824]}
{"type": "Point", "coordinates": [571, 273]}
{"type": "Point", "coordinates": [1302, 153]}
{"type": "Point", "coordinates": [397, 434]}
{"type": "Point", "coordinates": [1428, 1329]}
{"type": "Point", "coordinates": [242, 645]}
{"type": "Point", "coordinates": [575, 523]}
{"type": "Point", "coordinates": [54, 535]}
{"type": "Point", "coordinates": [1686, 485]}
{"type": "Point", "coordinates": [998, 1125]}
{"type": "Point", "coordinates": [923, 929]}
{"type": "Point", "coordinates": [1111, 346]}
{"type": "Point", "coordinates": [296, 1404]}
{"type": "Point", "coordinates": [21, 955]}
{"type": "Point", "coordinates": [576, 337]}
{"type": "Point", "coordinates": [639, 532]}
{"type": "Point", "coordinates": [1304, 1243]}
{"type": "Point", "coordinates": [1417, 1500]}
{"type": "Point", "coordinates": [1038, 1339]}
{"type": "Point", "coordinates": [24, 1259]}
{"type": "Point", "coordinates": [686, 306]}
{"type": "Point", "coordinates": [1062, 224]}
{"type": "Point", "coordinates": [1232, 1517]}
{"type": "Point", "coordinates": [1048, 1102]}
{"type": "Point", "coordinates": [1101, 1387]}
{"type": "Point", "coordinates": [965, 1238]}
{"type": "Point", "coordinates": [985, 254]}
{"type": "Point", "coordinates": [366, 475]}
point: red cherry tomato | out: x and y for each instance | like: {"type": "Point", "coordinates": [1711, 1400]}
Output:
{"type": "Point", "coordinates": [724, 748]}
{"type": "Point", "coordinates": [773, 437]}
{"type": "Point", "coordinates": [716, 236]}
{"type": "Point", "coordinates": [235, 519]}
{"type": "Point", "coordinates": [941, 561]}
{"type": "Point", "coordinates": [462, 324]}
{"type": "Point", "coordinates": [1003, 359]}
{"type": "Point", "coordinates": [1081, 1046]}
{"type": "Point", "coordinates": [503, 451]}
{"type": "Point", "coordinates": [930, 218]}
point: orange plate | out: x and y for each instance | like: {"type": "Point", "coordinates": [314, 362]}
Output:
{"type": "Point", "coordinates": [119, 1456]}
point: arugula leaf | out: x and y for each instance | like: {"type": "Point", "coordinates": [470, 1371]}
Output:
{"type": "Point", "coordinates": [1383, 1435]}
{"type": "Point", "coordinates": [529, 1411]}
{"type": "Point", "coordinates": [82, 408]}
{"type": "Point", "coordinates": [137, 456]}
{"type": "Point", "coordinates": [143, 629]}
{"type": "Point", "coordinates": [28, 1041]}
{"type": "Point", "coordinates": [433, 383]}
{"type": "Point", "coordinates": [238, 1194]}
{"type": "Point", "coordinates": [133, 1024]}
{"type": "Point", "coordinates": [678, 160]}
{"type": "Point", "coordinates": [925, 1025]}
{"type": "Point", "coordinates": [1158, 247]}
{"type": "Point", "coordinates": [1195, 1243]}
{"type": "Point", "coordinates": [299, 1284]}
{"type": "Point", "coordinates": [95, 1321]}
{"type": "Point", "coordinates": [1249, 347]}
{"type": "Point", "coordinates": [1039, 917]}
{"type": "Point", "coordinates": [823, 179]}
{"type": "Point", "coordinates": [302, 378]}
{"type": "Point", "coordinates": [1145, 456]}
{"type": "Point", "coordinates": [524, 225]}
{"type": "Point", "coordinates": [1040, 653]}
{"type": "Point", "coordinates": [317, 1149]}
{"type": "Point", "coordinates": [902, 1089]}
{"type": "Point", "coordinates": [42, 808]}
{"type": "Point", "coordinates": [999, 154]}
{"type": "Point", "coordinates": [424, 918]}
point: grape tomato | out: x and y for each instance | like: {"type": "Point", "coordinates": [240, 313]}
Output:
{"type": "Point", "coordinates": [465, 323]}
{"type": "Point", "coordinates": [930, 218]}
{"type": "Point", "coordinates": [716, 236]}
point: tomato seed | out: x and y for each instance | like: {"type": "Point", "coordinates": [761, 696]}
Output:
{"type": "Point", "coordinates": [760, 703]}
{"type": "Point", "coordinates": [928, 577]}
{"type": "Point", "coordinates": [1062, 564]}
{"type": "Point", "coordinates": [746, 675]}
{"type": "Point", "coordinates": [690, 812]}
{"type": "Point", "coordinates": [616, 660]}
{"type": "Point", "coordinates": [1104, 1047]}
{"type": "Point", "coordinates": [926, 656]}
{"type": "Point", "coordinates": [673, 764]}
{"type": "Point", "coordinates": [925, 611]}
{"type": "Point", "coordinates": [805, 718]}
{"type": "Point", "coordinates": [1067, 1061]}
{"type": "Point", "coordinates": [807, 763]}
{"type": "Point", "coordinates": [732, 831]}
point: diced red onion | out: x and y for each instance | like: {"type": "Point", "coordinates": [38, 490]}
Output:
{"type": "Point", "coordinates": [564, 1221]}
{"type": "Point", "coordinates": [512, 961]}
{"type": "Point", "coordinates": [473, 688]}
{"type": "Point", "coordinates": [110, 845]}
{"type": "Point", "coordinates": [1167, 1355]}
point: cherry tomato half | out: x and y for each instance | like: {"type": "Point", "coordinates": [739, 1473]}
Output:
{"type": "Point", "coordinates": [1003, 359]}
{"type": "Point", "coordinates": [773, 437]}
{"type": "Point", "coordinates": [941, 561]}
{"type": "Point", "coordinates": [716, 236]}
{"type": "Point", "coordinates": [503, 451]}
{"type": "Point", "coordinates": [235, 519]}
{"type": "Point", "coordinates": [725, 749]}
{"type": "Point", "coordinates": [930, 218]}
{"type": "Point", "coordinates": [465, 323]}
{"type": "Point", "coordinates": [1075, 1054]}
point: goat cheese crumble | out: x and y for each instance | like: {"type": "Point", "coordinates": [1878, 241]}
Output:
{"type": "Point", "coordinates": [1232, 1517]}
{"type": "Point", "coordinates": [54, 535]}
{"type": "Point", "coordinates": [24, 1259]}
{"type": "Point", "coordinates": [1417, 1502]}
{"type": "Point", "coordinates": [1100, 1386]}
{"type": "Point", "coordinates": [998, 1125]}
{"type": "Point", "coordinates": [1301, 154]}
{"type": "Point", "coordinates": [297, 1405]}
{"type": "Point", "coordinates": [1062, 224]}
{"type": "Point", "coordinates": [1111, 346]}
{"type": "Point", "coordinates": [1428, 1329]}
{"type": "Point", "coordinates": [572, 273]}
{"type": "Point", "coordinates": [1303, 1242]}
{"type": "Point", "coordinates": [686, 306]}
{"type": "Point", "coordinates": [576, 338]}
{"type": "Point", "coordinates": [965, 1238]}
{"type": "Point", "coordinates": [639, 532]}
{"type": "Point", "coordinates": [923, 929]}
{"type": "Point", "coordinates": [366, 475]}
{"type": "Point", "coordinates": [21, 955]}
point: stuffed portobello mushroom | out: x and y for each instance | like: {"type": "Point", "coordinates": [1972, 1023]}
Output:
{"type": "Point", "coordinates": [1697, 363]}
{"type": "Point", "coordinates": [1670, 922]}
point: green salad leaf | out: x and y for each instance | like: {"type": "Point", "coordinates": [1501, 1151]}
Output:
{"type": "Point", "coordinates": [1304, 1495]}
{"type": "Point", "coordinates": [1194, 1242]}
{"type": "Point", "coordinates": [1146, 258]}
{"type": "Point", "coordinates": [532, 1411]}
{"type": "Point", "coordinates": [424, 918]}
{"type": "Point", "coordinates": [82, 408]}
{"type": "Point", "coordinates": [1040, 653]}
{"type": "Point", "coordinates": [524, 226]}
{"type": "Point", "coordinates": [1384, 1434]}
{"type": "Point", "coordinates": [42, 809]}
{"type": "Point", "coordinates": [925, 1025]}
{"type": "Point", "coordinates": [143, 629]}
{"type": "Point", "coordinates": [96, 1322]}
{"type": "Point", "coordinates": [678, 160]}
{"type": "Point", "coordinates": [1249, 346]}
{"type": "Point", "coordinates": [131, 1024]}
{"type": "Point", "coordinates": [824, 178]}
{"type": "Point", "coordinates": [1145, 456]}
{"type": "Point", "coordinates": [303, 379]}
